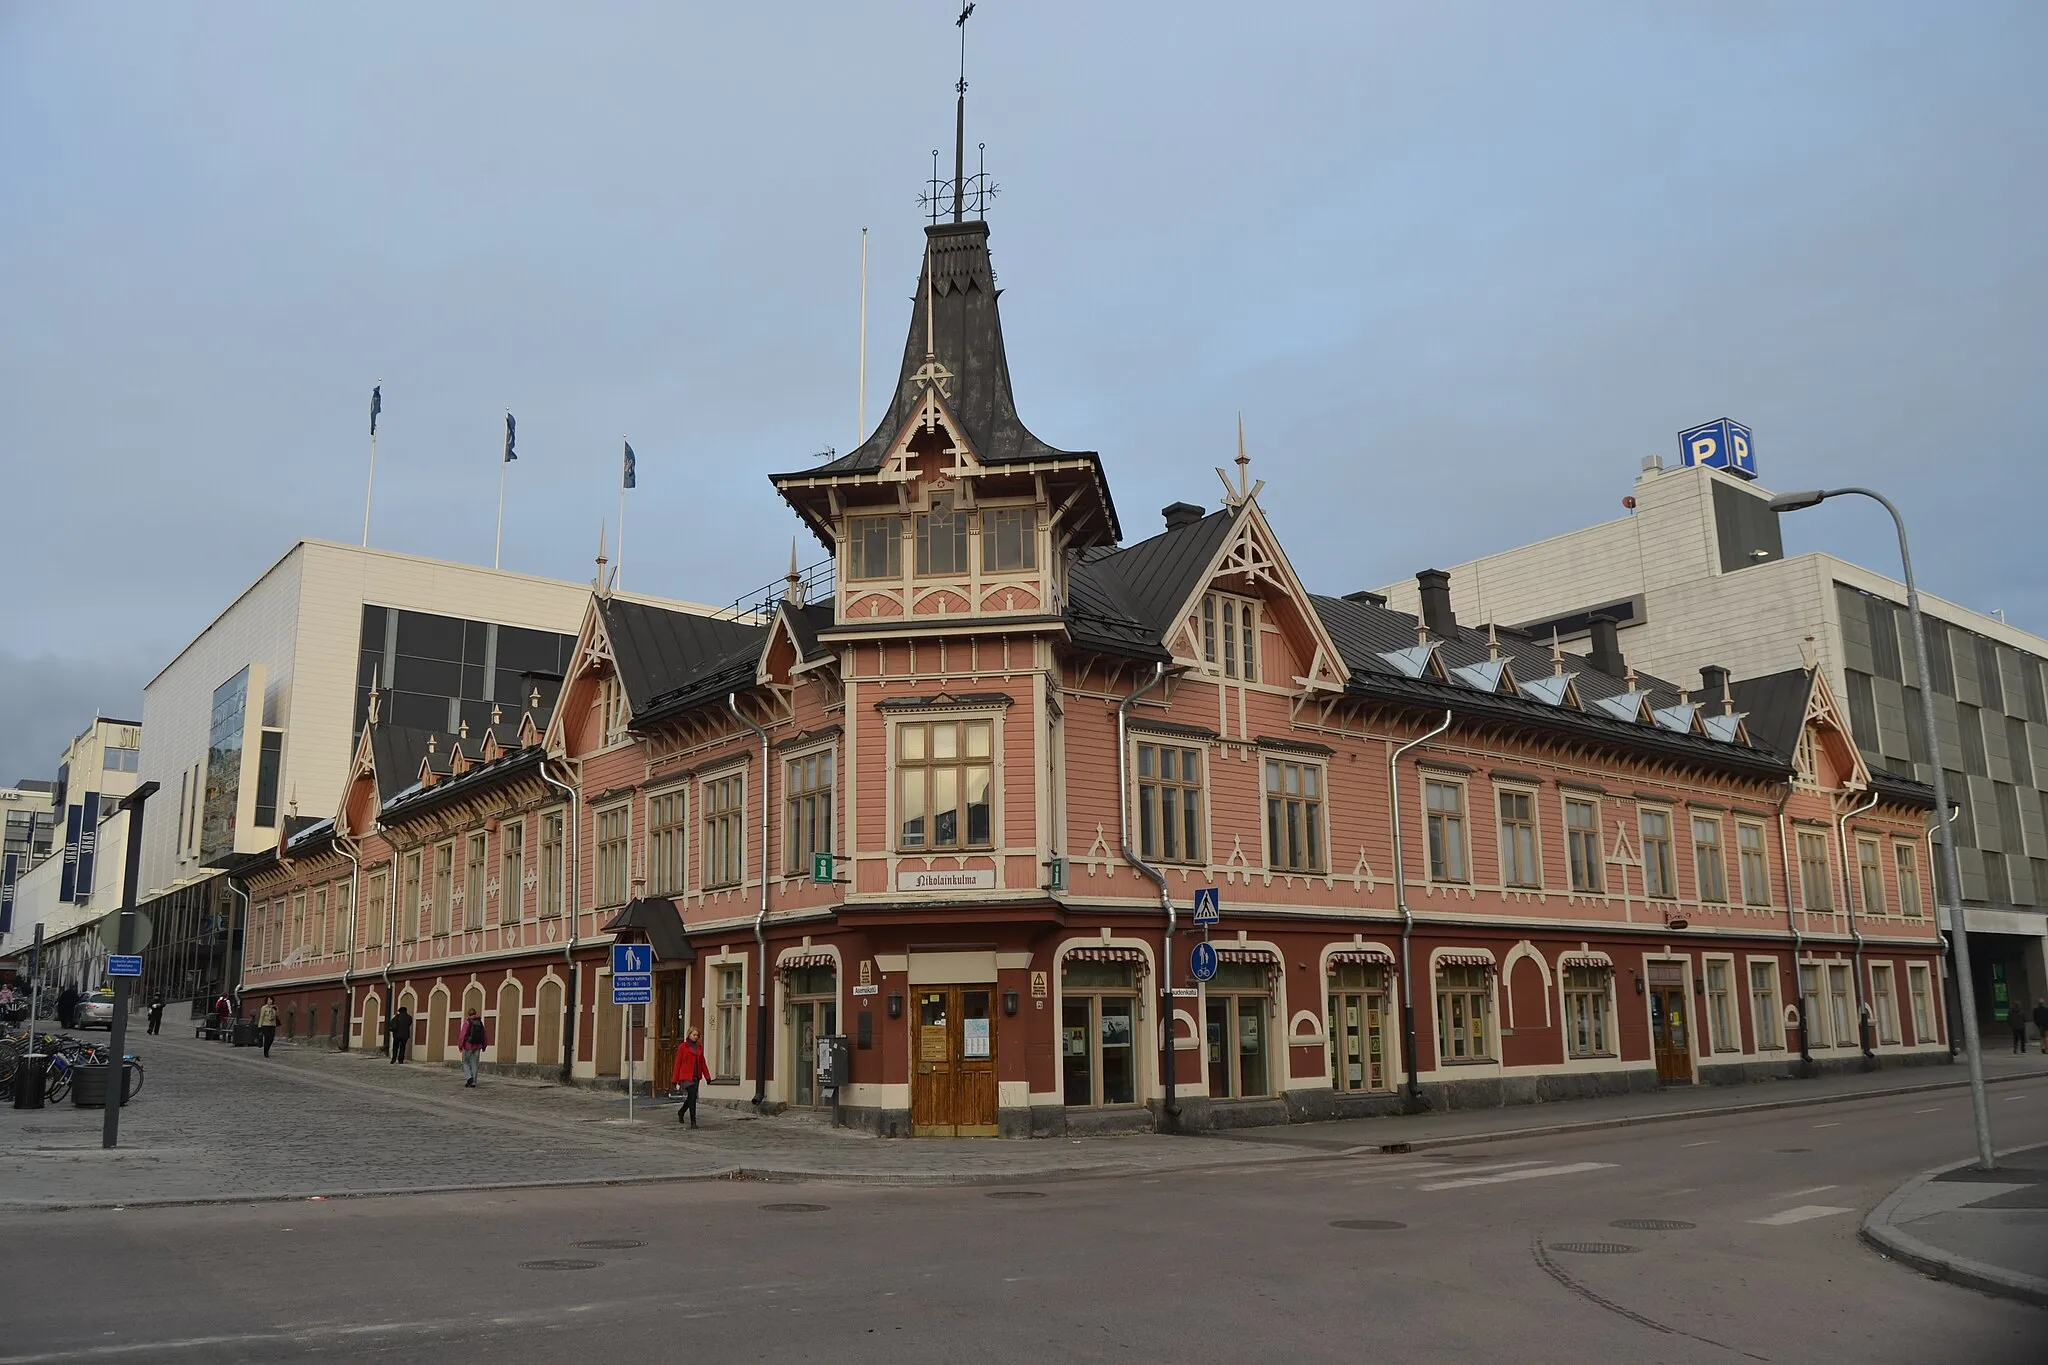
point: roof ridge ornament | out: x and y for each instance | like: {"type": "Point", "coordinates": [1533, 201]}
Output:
{"type": "Point", "coordinates": [1237, 495]}
{"type": "Point", "coordinates": [962, 187]}
{"type": "Point", "coordinates": [1556, 655]}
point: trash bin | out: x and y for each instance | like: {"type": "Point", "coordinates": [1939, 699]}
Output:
{"type": "Point", "coordinates": [245, 1033]}
{"type": "Point", "coordinates": [31, 1075]}
{"type": "Point", "coordinates": [89, 1085]}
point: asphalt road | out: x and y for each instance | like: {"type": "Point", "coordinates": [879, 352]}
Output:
{"type": "Point", "coordinates": [1506, 1251]}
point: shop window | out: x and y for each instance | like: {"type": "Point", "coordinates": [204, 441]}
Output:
{"type": "Point", "coordinates": [553, 824]}
{"type": "Point", "coordinates": [1582, 833]}
{"type": "Point", "coordinates": [723, 847]}
{"type": "Point", "coordinates": [807, 811]}
{"type": "Point", "coordinates": [1883, 1008]}
{"type": "Point", "coordinates": [1462, 1011]}
{"type": "Point", "coordinates": [1923, 1006]}
{"type": "Point", "coordinates": [1815, 892]}
{"type": "Point", "coordinates": [614, 855]}
{"type": "Point", "coordinates": [1098, 1032]}
{"type": "Point", "coordinates": [473, 883]}
{"type": "Point", "coordinates": [1840, 1014]}
{"type": "Point", "coordinates": [1908, 861]}
{"type": "Point", "coordinates": [1809, 1007]}
{"type": "Point", "coordinates": [1169, 803]}
{"type": "Point", "coordinates": [1756, 868]}
{"type": "Point", "coordinates": [1870, 871]}
{"type": "Point", "coordinates": [665, 843]}
{"type": "Point", "coordinates": [1356, 1022]}
{"type": "Point", "coordinates": [512, 871]}
{"type": "Point", "coordinates": [1708, 868]}
{"type": "Point", "coordinates": [1239, 1001]}
{"type": "Point", "coordinates": [1009, 539]}
{"type": "Point", "coordinates": [729, 1048]}
{"type": "Point", "coordinates": [1721, 1009]}
{"type": "Point", "coordinates": [1519, 866]}
{"type": "Point", "coordinates": [944, 777]}
{"type": "Point", "coordinates": [942, 538]}
{"type": "Point", "coordinates": [1588, 1006]}
{"type": "Point", "coordinates": [1659, 881]}
{"type": "Point", "coordinates": [1445, 802]}
{"type": "Point", "coordinates": [1763, 1003]}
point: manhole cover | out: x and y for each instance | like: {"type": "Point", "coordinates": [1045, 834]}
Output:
{"type": "Point", "coordinates": [1368, 1224]}
{"type": "Point", "coordinates": [1794, 1149]}
{"type": "Point", "coordinates": [626, 1244]}
{"type": "Point", "coordinates": [1652, 1224]}
{"type": "Point", "coordinates": [560, 1265]}
{"type": "Point", "coordinates": [1016, 1194]}
{"type": "Point", "coordinates": [1594, 1248]}
{"type": "Point", "coordinates": [794, 1208]}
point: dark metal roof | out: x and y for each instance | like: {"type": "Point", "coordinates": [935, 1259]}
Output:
{"type": "Point", "coordinates": [418, 800]}
{"type": "Point", "coordinates": [1122, 600]}
{"type": "Point", "coordinates": [1775, 707]}
{"type": "Point", "coordinates": [660, 652]}
{"type": "Point", "coordinates": [396, 751]}
{"type": "Point", "coordinates": [660, 923]}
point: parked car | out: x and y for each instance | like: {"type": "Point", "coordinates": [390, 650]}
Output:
{"type": "Point", "coordinates": [97, 1010]}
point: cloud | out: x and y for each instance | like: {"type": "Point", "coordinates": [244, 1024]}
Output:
{"type": "Point", "coordinates": [45, 699]}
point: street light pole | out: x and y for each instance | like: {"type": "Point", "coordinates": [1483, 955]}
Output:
{"type": "Point", "coordinates": [1973, 1054]}
{"type": "Point", "coordinates": [117, 1042]}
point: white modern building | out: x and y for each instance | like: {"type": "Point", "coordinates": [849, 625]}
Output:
{"type": "Point", "coordinates": [1695, 575]}
{"type": "Point", "coordinates": [256, 719]}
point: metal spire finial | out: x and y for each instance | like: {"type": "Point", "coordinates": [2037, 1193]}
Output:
{"type": "Point", "coordinates": [960, 119]}
{"type": "Point", "coordinates": [1492, 641]}
{"type": "Point", "coordinates": [963, 192]}
{"type": "Point", "coordinates": [1556, 655]}
{"type": "Point", "coordinates": [599, 582]}
{"type": "Point", "coordinates": [1244, 490]}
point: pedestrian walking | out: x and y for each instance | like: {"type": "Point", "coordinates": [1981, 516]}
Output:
{"type": "Point", "coordinates": [266, 1023]}
{"type": "Point", "coordinates": [691, 1069]}
{"type": "Point", "coordinates": [67, 1005]}
{"type": "Point", "coordinates": [2041, 1021]}
{"type": "Point", "coordinates": [156, 1013]}
{"type": "Point", "coordinates": [474, 1041]}
{"type": "Point", "coordinates": [221, 1011]}
{"type": "Point", "coordinates": [2017, 1017]}
{"type": "Point", "coordinates": [398, 1033]}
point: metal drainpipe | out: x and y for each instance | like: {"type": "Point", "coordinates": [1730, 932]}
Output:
{"type": "Point", "coordinates": [241, 963]}
{"type": "Point", "coordinates": [1798, 939]}
{"type": "Point", "coordinates": [390, 942]}
{"type": "Point", "coordinates": [1408, 1058]}
{"type": "Point", "coordinates": [732, 700]}
{"type": "Point", "coordinates": [575, 840]}
{"type": "Point", "coordinates": [1169, 1104]}
{"type": "Point", "coordinates": [1849, 889]}
{"type": "Point", "coordinates": [355, 874]}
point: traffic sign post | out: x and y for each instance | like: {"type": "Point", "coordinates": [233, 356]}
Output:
{"type": "Point", "coordinates": [632, 984]}
{"type": "Point", "coordinates": [126, 946]}
{"type": "Point", "coordinates": [1208, 906]}
{"type": "Point", "coordinates": [1202, 961]}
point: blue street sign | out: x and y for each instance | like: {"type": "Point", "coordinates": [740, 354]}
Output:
{"type": "Point", "coordinates": [1719, 444]}
{"type": "Point", "coordinates": [1208, 906]}
{"type": "Point", "coordinates": [118, 965]}
{"type": "Point", "coordinates": [633, 988]}
{"type": "Point", "coordinates": [1202, 961]}
{"type": "Point", "coordinates": [632, 959]}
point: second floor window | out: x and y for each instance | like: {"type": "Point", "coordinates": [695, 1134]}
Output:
{"type": "Point", "coordinates": [1230, 635]}
{"type": "Point", "coordinates": [374, 910]}
{"type": "Point", "coordinates": [473, 884]}
{"type": "Point", "coordinates": [409, 910]}
{"type": "Point", "coordinates": [665, 844]}
{"type": "Point", "coordinates": [1871, 871]}
{"type": "Point", "coordinates": [1009, 538]}
{"type": "Point", "coordinates": [942, 538]}
{"type": "Point", "coordinates": [808, 810]}
{"type": "Point", "coordinates": [613, 854]}
{"type": "Point", "coordinates": [553, 824]}
{"type": "Point", "coordinates": [1707, 865]}
{"type": "Point", "coordinates": [1294, 816]}
{"type": "Point", "coordinates": [1170, 803]}
{"type": "Point", "coordinates": [944, 773]}
{"type": "Point", "coordinates": [874, 547]}
{"type": "Point", "coordinates": [1658, 879]}
{"type": "Point", "coordinates": [1582, 830]}
{"type": "Point", "coordinates": [512, 872]}
{"type": "Point", "coordinates": [724, 853]}
{"type": "Point", "coordinates": [1518, 865]}
{"type": "Point", "coordinates": [1813, 871]}
{"type": "Point", "coordinates": [1756, 871]}
{"type": "Point", "coordinates": [444, 886]}
{"type": "Point", "coordinates": [1445, 802]}
{"type": "Point", "coordinates": [1909, 880]}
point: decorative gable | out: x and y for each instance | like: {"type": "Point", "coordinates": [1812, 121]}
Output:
{"type": "Point", "coordinates": [1827, 754]}
{"type": "Point", "coordinates": [1251, 563]}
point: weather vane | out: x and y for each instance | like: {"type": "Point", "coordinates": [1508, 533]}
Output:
{"type": "Point", "coordinates": [965, 192]}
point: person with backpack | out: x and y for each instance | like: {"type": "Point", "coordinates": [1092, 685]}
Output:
{"type": "Point", "coordinates": [691, 1069]}
{"type": "Point", "coordinates": [474, 1041]}
{"type": "Point", "coordinates": [398, 1034]}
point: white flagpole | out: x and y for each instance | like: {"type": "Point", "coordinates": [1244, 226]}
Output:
{"type": "Point", "coordinates": [498, 548]}
{"type": "Point", "coordinates": [619, 564]}
{"type": "Point", "coordinates": [861, 434]}
{"type": "Point", "coordinates": [371, 487]}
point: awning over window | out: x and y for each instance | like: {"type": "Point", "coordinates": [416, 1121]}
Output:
{"type": "Point", "coordinates": [803, 962]}
{"type": "Point", "coordinates": [1264, 956]}
{"type": "Point", "coordinates": [1131, 956]}
{"type": "Point", "coordinates": [1466, 960]}
{"type": "Point", "coordinates": [658, 922]}
{"type": "Point", "coordinates": [1595, 960]}
{"type": "Point", "coordinates": [1361, 957]}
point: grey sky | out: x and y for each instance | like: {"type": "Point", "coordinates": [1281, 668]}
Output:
{"type": "Point", "coordinates": [1461, 267]}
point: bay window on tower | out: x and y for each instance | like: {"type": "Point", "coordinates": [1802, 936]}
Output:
{"type": "Point", "coordinates": [944, 784]}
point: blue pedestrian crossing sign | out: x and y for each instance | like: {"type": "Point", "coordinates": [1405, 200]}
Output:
{"type": "Point", "coordinates": [632, 974]}
{"type": "Point", "coordinates": [1202, 961]}
{"type": "Point", "coordinates": [1208, 906]}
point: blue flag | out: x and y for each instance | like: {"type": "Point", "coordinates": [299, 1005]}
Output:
{"type": "Point", "coordinates": [631, 480]}
{"type": "Point", "coordinates": [376, 406]}
{"type": "Point", "coordinates": [511, 431]}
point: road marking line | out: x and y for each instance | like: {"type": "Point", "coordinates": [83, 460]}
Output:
{"type": "Point", "coordinates": [1538, 1173]}
{"type": "Point", "coordinates": [1703, 1142]}
{"type": "Point", "coordinates": [2010, 1098]}
{"type": "Point", "coordinates": [1837, 1123]}
{"type": "Point", "coordinates": [1936, 1109]}
{"type": "Point", "coordinates": [1794, 1194]}
{"type": "Point", "coordinates": [1798, 1215]}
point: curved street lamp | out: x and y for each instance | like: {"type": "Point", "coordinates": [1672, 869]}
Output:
{"type": "Point", "coordinates": [1960, 939]}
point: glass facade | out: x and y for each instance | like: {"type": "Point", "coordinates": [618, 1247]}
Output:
{"type": "Point", "coordinates": [437, 672]}
{"type": "Point", "coordinates": [224, 766]}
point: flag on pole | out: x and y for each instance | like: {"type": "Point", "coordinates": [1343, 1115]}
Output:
{"type": "Point", "coordinates": [511, 432]}
{"type": "Point", "coordinates": [631, 481]}
{"type": "Point", "coordinates": [376, 406]}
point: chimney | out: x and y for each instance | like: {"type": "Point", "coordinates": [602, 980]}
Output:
{"type": "Point", "coordinates": [1366, 599]}
{"type": "Point", "coordinates": [1179, 514]}
{"type": "Point", "coordinates": [1714, 686]}
{"type": "Point", "coordinates": [1606, 652]}
{"type": "Point", "coordinates": [1435, 585]}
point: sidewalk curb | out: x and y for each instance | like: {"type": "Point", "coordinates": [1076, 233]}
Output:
{"type": "Point", "coordinates": [1879, 1233]}
{"type": "Point", "coordinates": [1631, 1120]}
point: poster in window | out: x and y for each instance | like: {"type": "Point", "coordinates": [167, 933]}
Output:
{"type": "Point", "coordinates": [974, 1037]}
{"type": "Point", "coordinates": [1116, 1030]}
{"type": "Point", "coordinates": [1077, 1042]}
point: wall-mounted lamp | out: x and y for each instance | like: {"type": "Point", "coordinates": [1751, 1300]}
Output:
{"type": "Point", "coordinates": [895, 1005]}
{"type": "Point", "coordinates": [1010, 1004]}
{"type": "Point", "coordinates": [1639, 983]}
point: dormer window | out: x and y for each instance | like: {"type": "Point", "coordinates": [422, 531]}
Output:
{"type": "Point", "coordinates": [942, 538]}
{"type": "Point", "coordinates": [1809, 768]}
{"type": "Point", "coordinates": [1230, 633]}
{"type": "Point", "coordinates": [876, 547]}
{"type": "Point", "coordinates": [612, 698]}
{"type": "Point", "coordinates": [1009, 539]}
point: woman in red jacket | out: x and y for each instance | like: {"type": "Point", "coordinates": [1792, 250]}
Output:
{"type": "Point", "coordinates": [691, 1068]}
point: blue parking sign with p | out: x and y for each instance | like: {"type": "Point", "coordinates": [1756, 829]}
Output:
{"type": "Point", "coordinates": [1721, 444]}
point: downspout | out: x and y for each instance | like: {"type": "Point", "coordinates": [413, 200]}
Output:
{"type": "Point", "coordinates": [574, 838]}
{"type": "Point", "coordinates": [732, 700]}
{"type": "Point", "coordinates": [355, 874]}
{"type": "Point", "coordinates": [1408, 1058]}
{"type": "Point", "coordinates": [1168, 1081]}
{"type": "Point", "coordinates": [1798, 939]}
{"type": "Point", "coordinates": [242, 959]}
{"type": "Point", "coordinates": [1863, 1022]}
{"type": "Point", "coordinates": [390, 942]}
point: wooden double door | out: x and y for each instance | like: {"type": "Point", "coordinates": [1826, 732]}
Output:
{"type": "Point", "coordinates": [953, 1062]}
{"type": "Point", "coordinates": [1670, 1031]}
{"type": "Point", "coordinates": [668, 1018]}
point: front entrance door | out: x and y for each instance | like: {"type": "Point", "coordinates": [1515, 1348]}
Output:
{"type": "Point", "coordinates": [810, 1019]}
{"type": "Point", "coordinates": [669, 1020]}
{"type": "Point", "coordinates": [1357, 1033]}
{"type": "Point", "coordinates": [1669, 1041]}
{"type": "Point", "coordinates": [953, 1088]}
